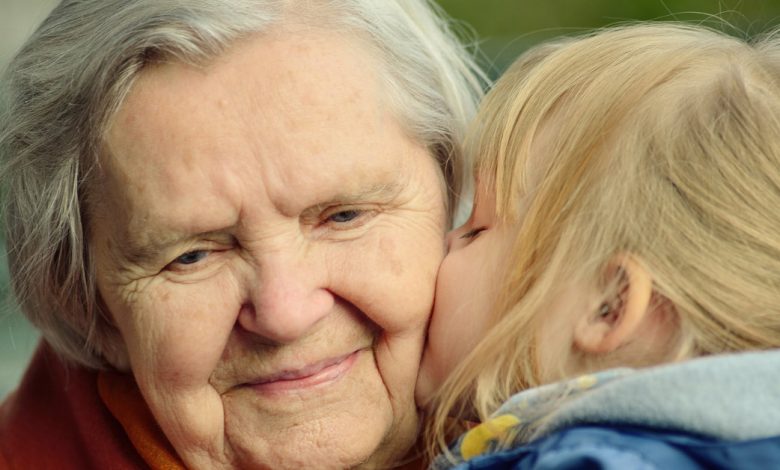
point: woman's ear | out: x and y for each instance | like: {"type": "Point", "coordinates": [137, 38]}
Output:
{"type": "Point", "coordinates": [620, 318]}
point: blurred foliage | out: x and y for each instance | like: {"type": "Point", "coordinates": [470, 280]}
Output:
{"type": "Point", "coordinates": [505, 28]}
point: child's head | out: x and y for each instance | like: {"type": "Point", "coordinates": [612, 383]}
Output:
{"type": "Point", "coordinates": [629, 182]}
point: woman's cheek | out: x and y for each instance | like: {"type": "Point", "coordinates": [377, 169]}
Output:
{"type": "Point", "coordinates": [183, 329]}
{"type": "Point", "coordinates": [389, 274]}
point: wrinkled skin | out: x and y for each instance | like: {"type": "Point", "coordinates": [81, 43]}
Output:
{"type": "Point", "coordinates": [266, 241]}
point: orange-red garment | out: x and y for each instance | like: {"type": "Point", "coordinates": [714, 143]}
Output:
{"type": "Point", "coordinates": [67, 417]}
{"type": "Point", "coordinates": [120, 394]}
{"type": "Point", "coordinates": [56, 419]}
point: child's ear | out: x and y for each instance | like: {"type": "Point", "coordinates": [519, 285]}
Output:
{"type": "Point", "coordinates": [619, 319]}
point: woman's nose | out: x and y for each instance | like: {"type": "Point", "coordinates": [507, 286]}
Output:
{"type": "Point", "coordinates": [287, 299]}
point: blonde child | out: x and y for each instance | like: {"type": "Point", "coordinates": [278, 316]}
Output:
{"type": "Point", "coordinates": [614, 297]}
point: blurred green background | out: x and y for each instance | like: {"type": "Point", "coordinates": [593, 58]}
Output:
{"type": "Point", "coordinates": [502, 29]}
{"type": "Point", "coordinates": [507, 27]}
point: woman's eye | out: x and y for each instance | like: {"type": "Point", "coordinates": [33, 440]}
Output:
{"type": "Point", "coordinates": [344, 216]}
{"type": "Point", "coordinates": [191, 257]}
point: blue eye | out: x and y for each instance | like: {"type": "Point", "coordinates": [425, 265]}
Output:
{"type": "Point", "coordinates": [191, 257]}
{"type": "Point", "coordinates": [344, 216]}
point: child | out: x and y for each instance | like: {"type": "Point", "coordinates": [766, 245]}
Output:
{"type": "Point", "coordinates": [625, 235]}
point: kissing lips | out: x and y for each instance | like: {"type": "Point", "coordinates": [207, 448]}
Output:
{"type": "Point", "coordinates": [317, 374]}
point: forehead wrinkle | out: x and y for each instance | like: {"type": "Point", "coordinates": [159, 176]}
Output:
{"type": "Point", "coordinates": [184, 148]}
{"type": "Point", "coordinates": [304, 129]}
{"type": "Point", "coordinates": [320, 177]}
{"type": "Point", "coordinates": [142, 230]}
{"type": "Point", "coordinates": [165, 204]}
{"type": "Point", "coordinates": [376, 192]}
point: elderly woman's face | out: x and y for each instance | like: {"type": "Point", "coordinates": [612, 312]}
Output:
{"type": "Point", "coordinates": [267, 241]}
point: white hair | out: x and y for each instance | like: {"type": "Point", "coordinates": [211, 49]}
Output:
{"type": "Point", "coordinates": [74, 72]}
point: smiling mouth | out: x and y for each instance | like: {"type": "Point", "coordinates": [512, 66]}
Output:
{"type": "Point", "coordinates": [318, 374]}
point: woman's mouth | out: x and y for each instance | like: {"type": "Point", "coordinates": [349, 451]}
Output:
{"type": "Point", "coordinates": [318, 374]}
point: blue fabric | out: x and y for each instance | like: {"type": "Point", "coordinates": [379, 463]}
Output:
{"type": "Point", "coordinates": [712, 412]}
{"type": "Point", "coordinates": [622, 448]}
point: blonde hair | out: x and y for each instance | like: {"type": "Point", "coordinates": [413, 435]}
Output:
{"type": "Point", "coordinates": [666, 145]}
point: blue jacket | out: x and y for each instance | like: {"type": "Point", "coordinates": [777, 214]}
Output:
{"type": "Point", "coordinates": [719, 412]}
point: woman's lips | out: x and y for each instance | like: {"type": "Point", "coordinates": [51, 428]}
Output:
{"type": "Point", "coordinates": [318, 374]}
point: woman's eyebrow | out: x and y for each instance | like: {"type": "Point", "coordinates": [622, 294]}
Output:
{"type": "Point", "coordinates": [374, 193]}
{"type": "Point", "coordinates": [148, 251]}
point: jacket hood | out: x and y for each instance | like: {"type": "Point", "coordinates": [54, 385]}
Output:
{"type": "Point", "coordinates": [730, 397]}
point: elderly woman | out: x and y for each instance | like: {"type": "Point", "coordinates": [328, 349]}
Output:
{"type": "Point", "coordinates": [225, 217]}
